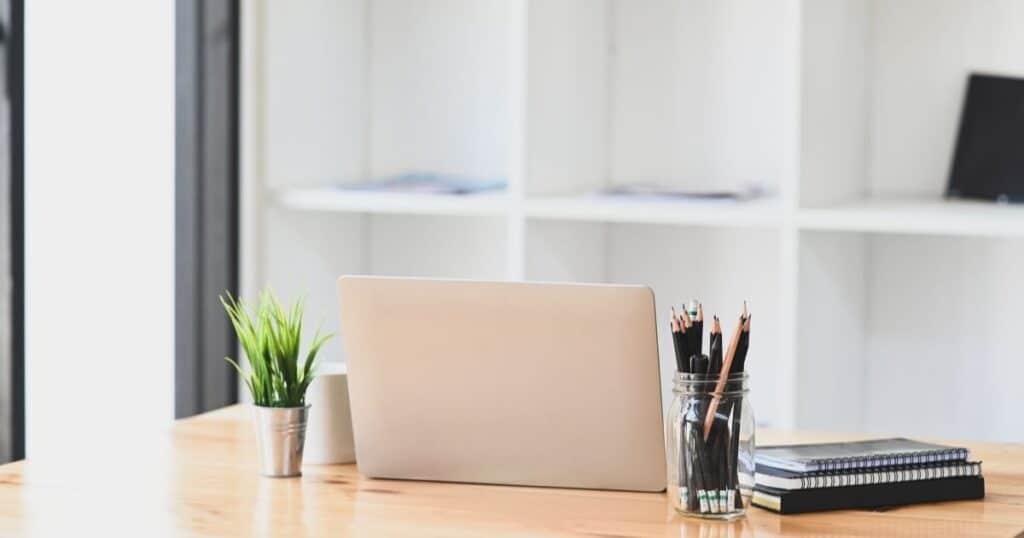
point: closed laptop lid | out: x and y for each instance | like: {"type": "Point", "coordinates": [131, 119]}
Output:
{"type": "Point", "coordinates": [506, 383]}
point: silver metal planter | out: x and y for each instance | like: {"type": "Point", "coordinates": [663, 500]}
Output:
{"type": "Point", "coordinates": [282, 435]}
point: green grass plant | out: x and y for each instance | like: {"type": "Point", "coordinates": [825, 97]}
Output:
{"type": "Point", "coordinates": [270, 336]}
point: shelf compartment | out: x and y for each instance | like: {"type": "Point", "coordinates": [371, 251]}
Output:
{"type": "Point", "coordinates": [631, 92]}
{"type": "Point", "coordinates": [764, 213]}
{"type": "Point", "coordinates": [882, 88]}
{"type": "Point", "coordinates": [922, 216]}
{"type": "Point", "coordinates": [360, 88]}
{"type": "Point", "coordinates": [894, 327]}
{"type": "Point", "coordinates": [339, 200]}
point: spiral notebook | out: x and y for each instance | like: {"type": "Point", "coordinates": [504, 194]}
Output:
{"type": "Point", "coordinates": [781, 479]}
{"type": "Point", "coordinates": [856, 455]}
{"type": "Point", "coordinates": [870, 496]}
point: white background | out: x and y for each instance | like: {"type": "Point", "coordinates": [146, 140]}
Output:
{"type": "Point", "coordinates": [99, 222]}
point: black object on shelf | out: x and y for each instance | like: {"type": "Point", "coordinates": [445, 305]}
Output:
{"type": "Point", "coordinates": [988, 162]}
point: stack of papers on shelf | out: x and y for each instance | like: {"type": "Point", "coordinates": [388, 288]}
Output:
{"type": "Point", "coordinates": [654, 191]}
{"type": "Point", "coordinates": [427, 183]}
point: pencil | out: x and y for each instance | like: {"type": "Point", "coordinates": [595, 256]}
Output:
{"type": "Point", "coordinates": [699, 364]}
{"type": "Point", "coordinates": [724, 374]}
{"type": "Point", "coordinates": [679, 343]}
{"type": "Point", "coordinates": [715, 345]}
{"type": "Point", "coordinates": [686, 325]}
{"type": "Point", "coordinates": [737, 413]}
{"type": "Point", "coordinates": [743, 346]}
{"type": "Point", "coordinates": [698, 326]}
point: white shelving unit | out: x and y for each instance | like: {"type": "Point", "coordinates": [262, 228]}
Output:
{"type": "Point", "coordinates": [878, 305]}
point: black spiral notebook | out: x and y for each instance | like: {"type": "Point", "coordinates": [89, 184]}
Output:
{"type": "Point", "coordinates": [873, 496]}
{"type": "Point", "coordinates": [856, 455]}
{"type": "Point", "coordinates": [782, 479]}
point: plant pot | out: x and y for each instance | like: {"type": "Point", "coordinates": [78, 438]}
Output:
{"type": "Point", "coordinates": [282, 436]}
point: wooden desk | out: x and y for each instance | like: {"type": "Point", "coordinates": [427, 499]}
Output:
{"type": "Point", "coordinates": [201, 480]}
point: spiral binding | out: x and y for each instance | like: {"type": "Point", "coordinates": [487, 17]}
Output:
{"type": "Point", "coordinates": [888, 475]}
{"type": "Point", "coordinates": [890, 460]}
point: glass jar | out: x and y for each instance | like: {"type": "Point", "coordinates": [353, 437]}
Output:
{"type": "Point", "coordinates": [710, 463]}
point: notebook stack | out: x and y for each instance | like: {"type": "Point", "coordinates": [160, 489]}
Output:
{"type": "Point", "coordinates": [864, 474]}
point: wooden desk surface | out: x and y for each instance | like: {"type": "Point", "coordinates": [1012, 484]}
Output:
{"type": "Point", "coordinates": [201, 480]}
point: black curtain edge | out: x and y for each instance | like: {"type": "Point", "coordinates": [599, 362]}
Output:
{"type": "Point", "coordinates": [201, 382]}
{"type": "Point", "coordinates": [16, 89]}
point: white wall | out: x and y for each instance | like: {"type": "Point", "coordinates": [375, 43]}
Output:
{"type": "Point", "coordinates": [681, 81]}
{"type": "Point", "coordinates": [99, 222]}
{"type": "Point", "coordinates": [941, 355]}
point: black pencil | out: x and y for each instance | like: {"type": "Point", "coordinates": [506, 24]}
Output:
{"type": "Point", "coordinates": [743, 346]}
{"type": "Point", "coordinates": [699, 364]}
{"type": "Point", "coordinates": [686, 327]}
{"type": "Point", "coordinates": [715, 345]}
{"type": "Point", "coordinates": [679, 344]}
{"type": "Point", "coordinates": [737, 408]}
{"type": "Point", "coordinates": [702, 463]}
{"type": "Point", "coordinates": [698, 325]}
{"type": "Point", "coordinates": [719, 453]}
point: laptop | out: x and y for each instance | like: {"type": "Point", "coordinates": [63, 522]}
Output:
{"type": "Point", "coordinates": [504, 383]}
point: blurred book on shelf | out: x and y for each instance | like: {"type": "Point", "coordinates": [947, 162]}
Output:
{"type": "Point", "coordinates": [662, 192]}
{"type": "Point", "coordinates": [427, 183]}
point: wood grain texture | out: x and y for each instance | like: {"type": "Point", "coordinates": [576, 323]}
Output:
{"type": "Point", "coordinates": [201, 479]}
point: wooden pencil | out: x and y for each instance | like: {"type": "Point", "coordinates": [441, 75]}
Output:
{"type": "Point", "coordinates": [730, 355]}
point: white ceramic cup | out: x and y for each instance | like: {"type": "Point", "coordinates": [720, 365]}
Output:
{"type": "Point", "coordinates": [329, 430]}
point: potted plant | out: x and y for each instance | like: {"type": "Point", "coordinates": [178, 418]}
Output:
{"type": "Point", "coordinates": [277, 379]}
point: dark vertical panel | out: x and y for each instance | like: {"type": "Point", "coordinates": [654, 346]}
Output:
{"type": "Point", "coordinates": [6, 240]}
{"type": "Point", "coordinates": [186, 221]}
{"type": "Point", "coordinates": [207, 201]}
{"type": "Point", "coordinates": [220, 194]}
{"type": "Point", "coordinates": [12, 396]}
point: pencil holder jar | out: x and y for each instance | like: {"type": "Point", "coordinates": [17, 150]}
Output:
{"type": "Point", "coordinates": [710, 438]}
